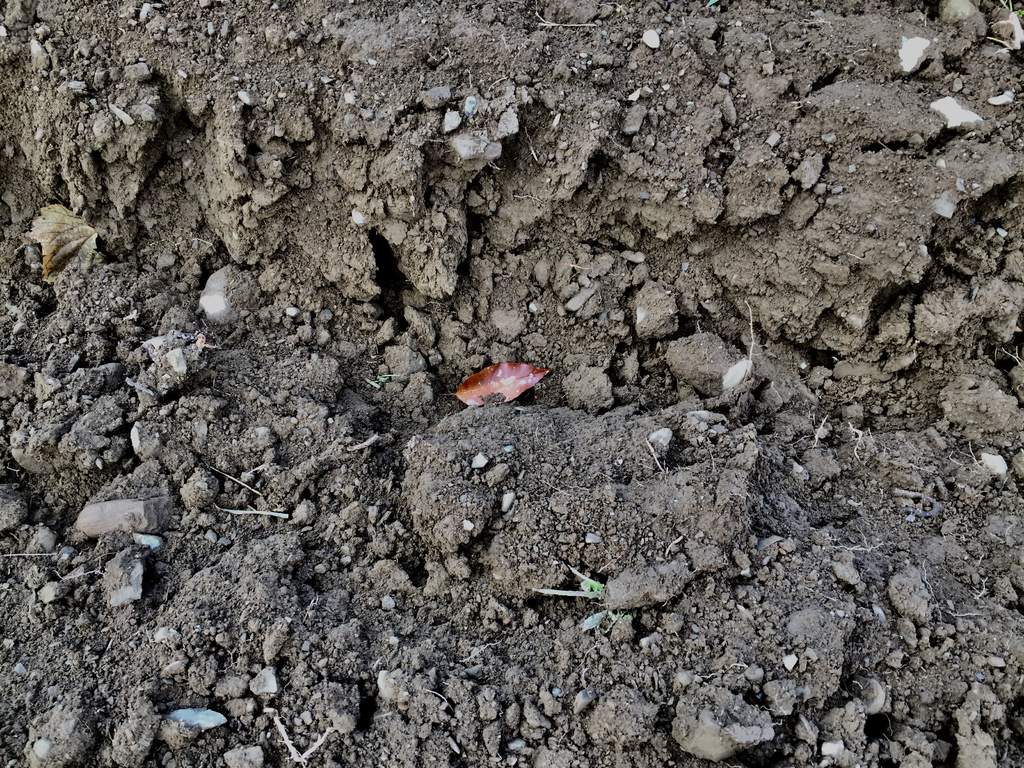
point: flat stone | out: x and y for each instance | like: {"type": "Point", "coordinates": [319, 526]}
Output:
{"type": "Point", "coordinates": [130, 515]}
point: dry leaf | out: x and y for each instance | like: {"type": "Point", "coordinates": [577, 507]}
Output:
{"type": "Point", "coordinates": [62, 235]}
{"type": "Point", "coordinates": [506, 381]}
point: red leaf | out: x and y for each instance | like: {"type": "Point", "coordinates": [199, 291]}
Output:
{"type": "Point", "coordinates": [506, 381]}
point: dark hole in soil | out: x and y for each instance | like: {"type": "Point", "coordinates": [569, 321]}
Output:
{"type": "Point", "coordinates": [367, 709]}
{"type": "Point", "coordinates": [877, 726]}
{"type": "Point", "coordinates": [389, 277]}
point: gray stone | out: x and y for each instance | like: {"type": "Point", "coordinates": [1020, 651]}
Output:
{"type": "Point", "coordinates": [475, 146]}
{"type": "Point", "coordinates": [122, 578]}
{"type": "Point", "coordinates": [13, 509]}
{"type": "Point", "coordinates": [130, 515]}
{"type": "Point", "coordinates": [634, 119]}
{"type": "Point", "coordinates": [716, 724]}
{"type": "Point", "coordinates": [12, 379]}
{"type": "Point", "coordinates": [910, 596]}
{"type": "Point", "coordinates": [436, 97]}
{"type": "Point", "coordinates": [39, 58]}
{"type": "Point", "coordinates": [265, 682]}
{"type": "Point", "coordinates": [656, 314]}
{"type": "Point", "coordinates": [508, 123]}
{"type": "Point", "coordinates": [244, 757]}
{"type": "Point", "coordinates": [701, 361]}
{"type": "Point", "coordinates": [452, 121]}
{"type": "Point", "coordinates": [809, 171]}
{"type": "Point", "coordinates": [139, 72]}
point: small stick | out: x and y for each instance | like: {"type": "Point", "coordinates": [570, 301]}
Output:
{"type": "Point", "coordinates": [365, 444]}
{"type": "Point", "coordinates": [654, 455]}
{"type": "Point", "coordinates": [234, 479]}
{"type": "Point", "coordinates": [279, 513]}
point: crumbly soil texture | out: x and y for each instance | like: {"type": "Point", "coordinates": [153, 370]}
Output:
{"type": "Point", "coordinates": [764, 511]}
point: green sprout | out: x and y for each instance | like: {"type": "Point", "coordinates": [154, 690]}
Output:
{"type": "Point", "coordinates": [590, 589]}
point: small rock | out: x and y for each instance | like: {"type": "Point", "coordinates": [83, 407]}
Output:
{"type": "Point", "coordinates": [660, 439]}
{"type": "Point", "coordinates": [912, 53]}
{"type": "Point", "coordinates": [508, 123]}
{"type": "Point", "coordinates": [43, 540]}
{"type": "Point", "coordinates": [1002, 100]}
{"type": "Point", "coordinates": [507, 499]}
{"type": "Point", "coordinates": [122, 578]}
{"type": "Point", "coordinates": [214, 299]}
{"type": "Point", "coordinates": [129, 515]}
{"type": "Point", "coordinates": [40, 60]}
{"type": "Point", "coordinates": [701, 360]}
{"type": "Point", "coordinates": [955, 115]}
{"type": "Point", "coordinates": [475, 146]}
{"type": "Point", "coordinates": [139, 72]}
{"type": "Point", "coordinates": [994, 463]}
{"type": "Point", "coordinates": [1018, 465]}
{"type": "Point", "coordinates": [358, 217]}
{"type": "Point", "coordinates": [789, 661]}
{"type": "Point", "coordinates": [634, 119]}
{"type": "Point", "coordinates": [479, 461]}
{"type": "Point", "coordinates": [652, 39]}
{"type": "Point", "coordinates": [452, 121]}
{"type": "Point", "coordinates": [715, 724]}
{"type": "Point", "coordinates": [13, 379]}
{"type": "Point", "coordinates": [832, 748]}
{"type": "Point", "coordinates": [846, 572]}
{"type": "Point", "coordinates": [244, 757]}
{"type": "Point", "coordinates": [436, 97]}
{"type": "Point", "coordinates": [773, 139]}
{"type": "Point", "coordinates": [13, 509]}
{"type": "Point", "coordinates": [809, 171]}
{"type": "Point", "coordinates": [265, 682]}
{"type": "Point", "coordinates": [246, 98]}
{"type": "Point", "coordinates": [53, 591]}
{"type": "Point", "coordinates": [583, 699]}
{"type": "Point", "coordinates": [121, 115]}
{"type": "Point", "coordinates": [952, 11]}
{"type": "Point", "coordinates": [575, 304]}
{"type": "Point", "coordinates": [656, 312]}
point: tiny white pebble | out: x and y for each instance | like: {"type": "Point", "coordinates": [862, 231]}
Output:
{"type": "Point", "coordinates": [507, 500]}
{"type": "Point", "coordinates": [652, 39]}
{"type": "Point", "coordinates": [246, 98]}
{"type": "Point", "coordinates": [479, 461]}
{"type": "Point", "coordinates": [789, 661]}
{"type": "Point", "coordinates": [358, 217]}
{"type": "Point", "coordinates": [292, 312]}
{"type": "Point", "coordinates": [467, 525]}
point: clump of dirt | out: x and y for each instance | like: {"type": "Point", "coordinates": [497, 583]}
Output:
{"type": "Point", "coordinates": [765, 510]}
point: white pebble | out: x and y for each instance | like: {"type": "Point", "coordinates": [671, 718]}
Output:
{"type": "Point", "coordinates": [652, 39]}
{"type": "Point", "coordinates": [789, 661]}
{"type": "Point", "coordinates": [507, 499]}
{"type": "Point", "coordinates": [995, 463]}
{"type": "Point", "coordinates": [467, 525]}
{"type": "Point", "coordinates": [479, 461]}
{"type": "Point", "coordinates": [358, 217]}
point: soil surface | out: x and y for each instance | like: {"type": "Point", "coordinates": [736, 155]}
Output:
{"type": "Point", "coordinates": [774, 476]}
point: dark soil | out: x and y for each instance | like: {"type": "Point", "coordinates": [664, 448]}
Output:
{"type": "Point", "coordinates": [820, 562]}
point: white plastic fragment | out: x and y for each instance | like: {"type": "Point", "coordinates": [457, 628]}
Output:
{"type": "Point", "coordinates": [736, 374]}
{"type": "Point", "coordinates": [203, 719]}
{"type": "Point", "coordinates": [955, 115]}
{"type": "Point", "coordinates": [1003, 99]}
{"type": "Point", "coordinates": [995, 463]}
{"type": "Point", "coordinates": [945, 205]}
{"type": "Point", "coordinates": [912, 52]}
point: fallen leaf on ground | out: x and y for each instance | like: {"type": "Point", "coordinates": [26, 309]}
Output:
{"type": "Point", "coordinates": [62, 235]}
{"type": "Point", "coordinates": [500, 382]}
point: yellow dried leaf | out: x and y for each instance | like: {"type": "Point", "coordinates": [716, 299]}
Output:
{"type": "Point", "coordinates": [62, 235]}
